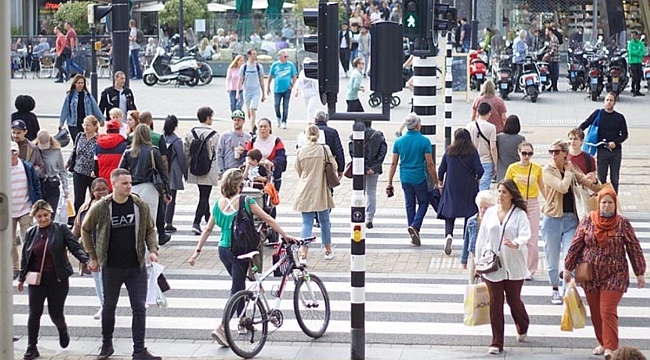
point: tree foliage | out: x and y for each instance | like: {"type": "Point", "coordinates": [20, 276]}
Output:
{"type": "Point", "coordinates": [193, 9]}
{"type": "Point", "coordinates": [76, 13]}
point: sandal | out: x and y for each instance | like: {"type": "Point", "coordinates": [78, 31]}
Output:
{"type": "Point", "coordinates": [598, 350]}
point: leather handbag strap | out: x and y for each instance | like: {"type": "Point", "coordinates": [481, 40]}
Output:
{"type": "Point", "coordinates": [530, 168]}
{"type": "Point", "coordinates": [503, 229]}
{"type": "Point", "coordinates": [47, 241]}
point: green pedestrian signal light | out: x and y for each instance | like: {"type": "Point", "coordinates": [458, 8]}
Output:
{"type": "Point", "coordinates": [411, 18]}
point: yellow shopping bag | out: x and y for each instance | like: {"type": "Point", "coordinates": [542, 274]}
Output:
{"type": "Point", "coordinates": [70, 206]}
{"type": "Point", "coordinates": [576, 308]}
{"type": "Point", "coordinates": [476, 305]}
{"type": "Point", "coordinates": [566, 324]}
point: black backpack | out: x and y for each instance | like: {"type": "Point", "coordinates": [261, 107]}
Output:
{"type": "Point", "coordinates": [200, 159]}
{"type": "Point", "coordinates": [139, 38]}
{"type": "Point", "coordinates": [244, 236]}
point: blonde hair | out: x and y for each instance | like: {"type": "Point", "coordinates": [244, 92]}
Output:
{"type": "Point", "coordinates": [93, 121]}
{"type": "Point", "coordinates": [488, 89]}
{"type": "Point", "coordinates": [564, 146]}
{"type": "Point", "coordinates": [230, 182]}
{"type": "Point", "coordinates": [141, 138]}
{"type": "Point", "coordinates": [115, 112]}
{"type": "Point", "coordinates": [312, 132]}
{"type": "Point", "coordinates": [235, 61]}
{"type": "Point", "coordinates": [40, 205]}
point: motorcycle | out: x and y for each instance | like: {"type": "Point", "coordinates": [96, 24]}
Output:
{"type": "Point", "coordinates": [529, 79]}
{"type": "Point", "coordinates": [617, 77]}
{"type": "Point", "coordinates": [164, 68]}
{"type": "Point", "coordinates": [542, 68]}
{"type": "Point", "coordinates": [577, 66]}
{"type": "Point", "coordinates": [646, 71]}
{"type": "Point", "coordinates": [204, 70]}
{"type": "Point", "coordinates": [504, 76]}
{"type": "Point", "coordinates": [596, 75]}
{"type": "Point", "coordinates": [477, 69]}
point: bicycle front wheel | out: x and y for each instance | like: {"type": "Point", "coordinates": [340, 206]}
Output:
{"type": "Point", "coordinates": [311, 303]}
{"type": "Point", "coordinates": [245, 324]}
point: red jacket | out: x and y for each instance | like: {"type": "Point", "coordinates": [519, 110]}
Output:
{"type": "Point", "coordinates": [108, 153]}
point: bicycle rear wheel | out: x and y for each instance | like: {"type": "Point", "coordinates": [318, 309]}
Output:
{"type": "Point", "coordinates": [311, 303]}
{"type": "Point", "coordinates": [245, 324]}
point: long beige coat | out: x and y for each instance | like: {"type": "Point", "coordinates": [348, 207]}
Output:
{"type": "Point", "coordinates": [312, 189]}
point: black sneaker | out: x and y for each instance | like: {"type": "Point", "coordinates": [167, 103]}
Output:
{"type": "Point", "coordinates": [369, 225]}
{"type": "Point", "coordinates": [170, 228]}
{"type": "Point", "coordinates": [31, 352]}
{"type": "Point", "coordinates": [196, 229]}
{"type": "Point", "coordinates": [165, 239]}
{"type": "Point", "coordinates": [105, 352]}
{"type": "Point", "coordinates": [146, 355]}
{"type": "Point", "coordinates": [64, 337]}
{"type": "Point", "coordinates": [638, 93]}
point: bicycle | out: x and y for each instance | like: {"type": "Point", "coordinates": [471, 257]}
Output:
{"type": "Point", "coordinates": [248, 312]}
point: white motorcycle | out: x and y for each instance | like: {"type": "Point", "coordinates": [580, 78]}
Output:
{"type": "Point", "coordinates": [164, 68]}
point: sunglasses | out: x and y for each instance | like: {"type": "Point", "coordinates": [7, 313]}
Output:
{"type": "Point", "coordinates": [554, 152]}
{"type": "Point", "coordinates": [526, 153]}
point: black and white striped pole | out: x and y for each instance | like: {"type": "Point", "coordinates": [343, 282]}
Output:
{"type": "Point", "coordinates": [424, 96]}
{"type": "Point", "coordinates": [358, 246]}
{"type": "Point", "coordinates": [448, 89]}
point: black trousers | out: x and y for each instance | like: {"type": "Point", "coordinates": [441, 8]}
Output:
{"type": "Point", "coordinates": [74, 130]}
{"type": "Point", "coordinates": [609, 161]}
{"type": "Point", "coordinates": [344, 56]}
{"type": "Point", "coordinates": [354, 105]}
{"type": "Point", "coordinates": [170, 209]}
{"type": "Point", "coordinates": [59, 65]}
{"type": "Point", "coordinates": [160, 218]}
{"type": "Point", "coordinates": [203, 206]}
{"type": "Point", "coordinates": [51, 194]}
{"type": "Point", "coordinates": [81, 185]}
{"type": "Point", "coordinates": [636, 71]}
{"type": "Point", "coordinates": [554, 68]}
{"type": "Point", "coordinates": [55, 292]}
{"type": "Point", "coordinates": [449, 226]}
{"type": "Point", "coordinates": [135, 280]}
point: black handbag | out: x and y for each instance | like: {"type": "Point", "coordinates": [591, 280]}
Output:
{"type": "Point", "coordinates": [156, 178]}
{"type": "Point", "coordinates": [52, 182]}
{"type": "Point", "coordinates": [489, 261]}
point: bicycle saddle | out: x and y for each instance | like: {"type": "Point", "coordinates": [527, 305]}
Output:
{"type": "Point", "coordinates": [248, 255]}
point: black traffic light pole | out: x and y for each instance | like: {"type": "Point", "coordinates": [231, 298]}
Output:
{"type": "Point", "coordinates": [93, 61]}
{"type": "Point", "coordinates": [121, 37]}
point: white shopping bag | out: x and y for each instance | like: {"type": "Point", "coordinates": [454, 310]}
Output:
{"type": "Point", "coordinates": [154, 295]}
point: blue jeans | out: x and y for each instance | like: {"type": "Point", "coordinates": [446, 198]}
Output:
{"type": "Point", "coordinates": [134, 64]}
{"type": "Point", "coordinates": [412, 193]}
{"type": "Point", "coordinates": [71, 65]}
{"type": "Point", "coordinates": [466, 46]}
{"type": "Point", "coordinates": [284, 97]}
{"type": "Point", "coordinates": [135, 280]}
{"type": "Point", "coordinates": [236, 268]}
{"type": "Point", "coordinates": [486, 179]}
{"type": "Point", "coordinates": [234, 103]}
{"type": "Point", "coordinates": [325, 227]}
{"type": "Point", "coordinates": [557, 233]}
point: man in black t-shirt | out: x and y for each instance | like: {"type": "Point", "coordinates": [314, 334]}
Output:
{"type": "Point", "coordinates": [123, 228]}
{"type": "Point", "coordinates": [612, 129]}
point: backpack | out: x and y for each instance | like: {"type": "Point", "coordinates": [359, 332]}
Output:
{"type": "Point", "coordinates": [200, 159]}
{"type": "Point", "coordinates": [244, 236]}
{"type": "Point", "coordinates": [139, 37]}
{"type": "Point", "coordinates": [257, 69]}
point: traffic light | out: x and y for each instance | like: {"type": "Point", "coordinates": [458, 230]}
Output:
{"type": "Point", "coordinates": [445, 17]}
{"type": "Point", "coordinates": [418, 19]}
{"type": "Point", "coordinates": [326, 45]}
{"type": "Point", "coordinates": [97, 12]}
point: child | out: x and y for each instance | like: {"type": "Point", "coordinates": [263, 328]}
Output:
{"type": "Point", "coordinates": [484, 200]}
{"type": "Point", "coordinates": [117, 115]}
{"type": "Point", "coordinates": [253, 172]}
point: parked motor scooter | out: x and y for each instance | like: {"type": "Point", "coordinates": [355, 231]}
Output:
{"type": "Point", "coordinates": [529, 79]}
{"type": "Point", "coordinates": [617, 77]}
{"type": "Point", "coordinates": [542, 68]}
{"type": "Point", "coordinates": [165, 68]}
{"type": "Point", "coordinates": [596, 74]}
{"type": "Point", "coordinates": [577, 66]}
{"type": "Point", "coordinates": [504, 76]}
{"type": "Point", "coordinates": [477, 69]}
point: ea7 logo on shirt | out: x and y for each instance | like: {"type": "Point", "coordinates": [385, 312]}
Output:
{"type": "Point", "coordinates": [123, 221]}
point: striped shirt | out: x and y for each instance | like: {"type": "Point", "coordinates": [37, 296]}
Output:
{"type": "Point", "coordinates": [20, 202]}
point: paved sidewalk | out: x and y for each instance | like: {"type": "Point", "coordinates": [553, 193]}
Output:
{"type": "Point", "coordinates": [85, 349]}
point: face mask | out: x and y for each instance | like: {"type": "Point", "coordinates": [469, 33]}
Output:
{"type": "Point", "coordinates": [606, 214]}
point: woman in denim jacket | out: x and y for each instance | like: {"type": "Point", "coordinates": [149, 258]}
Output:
{"type": "Point", "coordinates": [484, 200]}
{"type": "Point", "coordinates": [78, 97]}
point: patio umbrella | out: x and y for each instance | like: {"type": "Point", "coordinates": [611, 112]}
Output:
{"type": "Point", "coordinates": [244, 25]}
{"type": "Point", "coordinates": [274, 15]}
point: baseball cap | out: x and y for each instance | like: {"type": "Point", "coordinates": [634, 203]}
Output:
{"type": "Point", "coordinates": [238, 114]}
{"type": "Point", "coordinates": [14, 146]}
{"type": "Point", "coordinates": [113, 125]}
{"type": "Point", "coordinates": [19, 124]}
{"type": "Point", "coordinates": [43, 140]}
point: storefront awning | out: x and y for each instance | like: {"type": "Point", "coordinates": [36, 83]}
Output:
{"type": "Point", "coordinates": [149, 8]}
{"type": "Point", "coordinates": [261, 5]}
{"type": "Point", "coordinates": [214, 7]}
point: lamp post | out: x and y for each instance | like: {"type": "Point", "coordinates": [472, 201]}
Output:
{"type": "Point", "coordinates": [181, 23]}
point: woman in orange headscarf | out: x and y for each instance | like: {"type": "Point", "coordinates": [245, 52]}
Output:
{"type": "Point", "coordinates": [602, 240]}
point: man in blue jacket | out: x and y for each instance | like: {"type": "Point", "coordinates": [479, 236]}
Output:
{"type": "Point", "coordinates": [25, 191]}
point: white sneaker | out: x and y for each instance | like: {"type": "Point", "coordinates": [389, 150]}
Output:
{"type": "Point", "coordinates": [284, 125]}
{"type": "Point", "coordinates": [98, 314]}
{"type": "Point", "coordinates": [220, 336]}
{"type": "Point", "coordinates": [522, 337]}
{"type": "Point", "coordinates": [556, 298]}
{"type": "Point", "coordinates": [493, 350]}
{"type": "Point", "coordinates": [303, 261]}
{"type": "Point", "coordinates": [329, 255]}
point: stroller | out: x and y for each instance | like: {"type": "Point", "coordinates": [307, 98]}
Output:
{"type": "Point", "coordinates": [266, 196]}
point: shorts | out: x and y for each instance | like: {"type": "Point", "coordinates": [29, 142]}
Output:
{"type": "Point", "coordinates": [252, 100]}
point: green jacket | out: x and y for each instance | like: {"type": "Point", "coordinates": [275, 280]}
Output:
{"type": "Point", "coordinates": [635, 52]}
{"type": "Point", "coordinates": [99, 218]}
